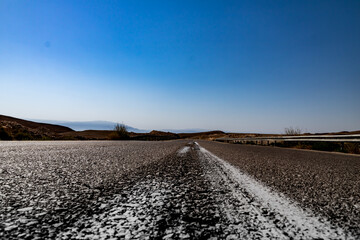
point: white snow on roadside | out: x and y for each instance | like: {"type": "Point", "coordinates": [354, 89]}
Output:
{"type": "Point", "coordinates": [304, 221]}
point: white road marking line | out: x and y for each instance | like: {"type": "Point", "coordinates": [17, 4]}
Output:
{"type": "Point", "coordinates": [309, 225]}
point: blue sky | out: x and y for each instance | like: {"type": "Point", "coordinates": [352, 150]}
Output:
{"type": "Point", "coordinates": [246, 66]}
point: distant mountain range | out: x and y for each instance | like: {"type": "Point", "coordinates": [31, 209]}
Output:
{"type": "Point", "coordinates": [90, 125]}
{"type": "Point", "coordinates": [107, 125]}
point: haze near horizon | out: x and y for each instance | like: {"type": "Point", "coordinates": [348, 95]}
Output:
{"type": "Point", "coordinates": [241, 66]}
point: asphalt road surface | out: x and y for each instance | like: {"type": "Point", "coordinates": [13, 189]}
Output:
{"type": "Point", "coordinates": [175, 190]}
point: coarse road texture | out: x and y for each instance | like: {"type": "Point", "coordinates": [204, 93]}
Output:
{"type": "Point", "coordinates": [327, 183]}
{"type": "Point", "coordinates": [175, 190]}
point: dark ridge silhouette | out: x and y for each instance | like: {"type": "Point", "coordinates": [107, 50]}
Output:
{"type": "Point", "coordinates": [35, 125]}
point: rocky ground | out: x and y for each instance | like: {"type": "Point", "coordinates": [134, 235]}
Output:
{"type": "Point", "coordinates": [142, 190]}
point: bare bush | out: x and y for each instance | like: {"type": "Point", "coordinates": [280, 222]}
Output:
{"type": "Point", "coordinates": [120, 132]}
{"type": "Point", "coordinates": [292, 131]}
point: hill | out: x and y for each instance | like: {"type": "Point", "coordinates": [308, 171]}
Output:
{"type": "Point", "coordinates": [19, 129]}
{"type": "Point", "coordinates": [210, 135]}
{"type": "Point", "coordinates": [36, 125]}
{"type": "Point", "coordinates": [87, 135]}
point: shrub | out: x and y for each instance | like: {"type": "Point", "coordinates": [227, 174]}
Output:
{"type": "Point", "coordinates": [292, 131]}
{"type": "Point", "coordinates": [326, 146]}
{"type": "Point", "coordinates": [352, 148]}
{"type": "Point", "coordinates": [120, 132]}
{"type": "Point", "coordinates": [4, 135]}
{"type": "Point", "coordinates": [23, 135]}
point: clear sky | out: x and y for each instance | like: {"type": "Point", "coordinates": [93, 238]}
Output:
{"type": "Point", "coordinates": [246, 66]}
